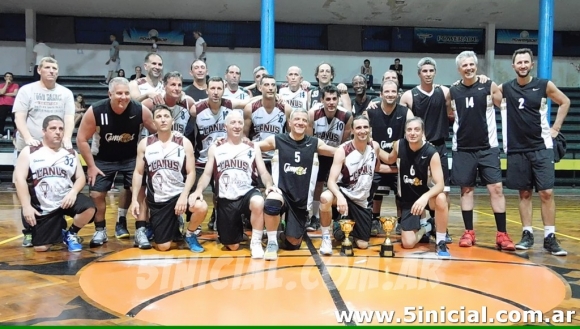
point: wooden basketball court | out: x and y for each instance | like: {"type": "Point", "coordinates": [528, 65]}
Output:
{"type": "Point", "coordinates": [121, 285]}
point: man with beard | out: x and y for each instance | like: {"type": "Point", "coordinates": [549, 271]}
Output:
{"type": "Point", "coordinates": [528, 143]}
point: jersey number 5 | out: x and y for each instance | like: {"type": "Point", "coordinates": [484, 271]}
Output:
{"type": "Point", "coordinates": [297, 156]}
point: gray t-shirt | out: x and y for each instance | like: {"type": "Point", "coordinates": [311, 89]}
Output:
{"type": "Point", "coordinates": [38, 103]}
{"type": "Point", "coordinates": [112, 50]}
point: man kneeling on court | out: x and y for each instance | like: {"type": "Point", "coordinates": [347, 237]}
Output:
{"type": "Point", "coordinates": [233, 163]}
{"type": "Point", "coordinates": [349, 185]}
{"type": "Point", "coordinates": [49, 179]}
{"type": "Point", "coordinates": [167, 159]}
{"type": "Point", "coordinates": [418, 162]}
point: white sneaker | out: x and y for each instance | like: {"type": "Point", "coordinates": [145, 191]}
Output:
{"type": "Point", "coordinates": [257, 250]}
{"type": "Point", "coordinates": [326, 245]}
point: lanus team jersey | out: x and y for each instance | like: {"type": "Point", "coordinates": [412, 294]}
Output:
{"type": "Point", "coordinates": [414, 171]}
{"type": "Point", "coordinates": [316, 98]}
{"type": "Point", "coordinates": [180, 114]}
{"type": "Point", "coordinates": [266, 124]}
{"type": "Point", "coordinates": [234, 169]}
{"type": "Point", "coordinates": [145, 87]}
{"type": "Point", "coordinates": [165, 165]}
{"type": "Point", "coordinates": [295, 168]}
{"type": "Point", "coordinates": [50, 177]}
{"type": "Point", "coordinates": [387, 128]}
{"type": "Point", "coordinates": [433, 110]}
{"type": "Point", "coordinates": [356, 175]}
{"type": "Point", "coordinates": [240, 93]}
{"type": "Point", "coordinates": [525, 116]}
{"type": "Point", "coordinates": [474, 127]}
{"type": "Point", "coordinates": [330, 130]}
{"type": "Point", "coordinates": [210, 127]}
{"type": "Point", "coordinates": [117, 135]}
{"type": "Point", "coordinates": [296, 99]}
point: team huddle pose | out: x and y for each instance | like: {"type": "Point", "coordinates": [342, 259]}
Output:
{"type": "Point", "coordinates": [284, 163]}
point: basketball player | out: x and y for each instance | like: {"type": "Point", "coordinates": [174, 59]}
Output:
{"type": "Point", "coordinates": [266, 116]}
{"type": "Point", "coordinates": [233, 89]}
{"type": "Point", "coordinates": [34, 102]}
{"type": "Point", "coordinates": [197, 90]}
{"type": "Point", "coordinates": [389, 75]}
{"type": "Point", "coordinates": [387, 126]}
{"type": "Point", "coordinates": [349, 185]}
{"type": "Point", "coordinates": [173, 97]}
{"type": "Point", "coordinates": [258, 73]}
{"type": "Point", "coordinates": [428, 101]}
{"type": "Point", "coordinates": [331, 124]}
{"type": "Point", "coordinates": [294, 167]}
{"type": "Point", "coordinates": [294, 94]}
{"type": "Point", "coordinates": [150, 86]}
{"type": "Point", "coordinates": [361, 100]}
{"type": "Point", "coordinates": [233, 162]}
{"type": "Point", "coordinates": [114, 124]}
{"type": "Point", "coordinates": [210, 115]}
{"type": "Point", "coordinates": [476, 148]}
{"type": "Point", "coordinates": [418, 162]}
{"type": "Point", "coordinates": [529, 146]}
{"type": "Point", "coordinates": [49, 179]}
{"type": "Point", "coordinates": [167, 159]}
{"type": "Point", "coordinates": [324, 74]}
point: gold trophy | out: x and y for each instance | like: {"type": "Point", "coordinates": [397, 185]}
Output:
{"type": "Point", "coordinates": [387, 247]}
{"type": "Point", "coordinates": [346, 226]}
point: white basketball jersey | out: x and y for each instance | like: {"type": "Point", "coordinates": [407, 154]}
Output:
{"type": "Point", "coordinates": [165, 168]}
{"type": "Point", "coordinates": [267, 124]}
{"type": "Point", "coordinates": [50, 176]}
{"type": "Point", "coordinates": [356, 176]}
{"type": "Point", "coordinates": [180, 113]}
{"type": "Point", "coordinates": [234, 169]}
{"type": "Point", "coordinates": [210, 127]}
{"type": "Point", "coordinates": [238, 94]}
{"type": "Point", "coordinates": [296, 100]}
{"type": "Point", "coordinates": [330, 132]}
{"type": "Point", "coordinates": [145, 87]}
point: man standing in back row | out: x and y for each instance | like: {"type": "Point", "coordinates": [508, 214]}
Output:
{"type": "Point", "coordinates": [529, 146]}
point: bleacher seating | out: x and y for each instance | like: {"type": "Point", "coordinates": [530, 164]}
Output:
{"type": "Point", "coordinates": [567, 171]}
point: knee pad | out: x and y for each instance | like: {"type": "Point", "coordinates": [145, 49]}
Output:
{"type": "Point", "coordinates": [272, 207]}
{"type": "Point", "coordinates": [378, 197]}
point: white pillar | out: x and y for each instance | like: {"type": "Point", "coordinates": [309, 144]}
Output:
{"type": "Point", "coordinates": [30, 27]}
{"type": "Point", "coordinates": [489, 49]}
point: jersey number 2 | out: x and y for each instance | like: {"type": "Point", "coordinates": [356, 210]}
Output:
{"type": "Point", "coordinates": [521, 100]}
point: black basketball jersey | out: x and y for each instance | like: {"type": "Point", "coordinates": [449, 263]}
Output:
{"type": "Point", "coordinates": [433, 111]}
{"type": "Point", "coordinates": [413, 171]}
{"type": "Point", "coordinates": [117, 135]}
{"type": "Point", "coordinates": [475, 125]}
{"type": "Point", "coordinates": [315, 96]}
{"type": "Point", "coordinates": [295, 168]}
{"type": "Point", "coordinates": [387, 128]}
{"type": "Point", "coordinates": [527, 126]}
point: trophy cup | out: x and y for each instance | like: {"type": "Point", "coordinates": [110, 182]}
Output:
{"type": "Point", "coordinates": [387, 246]}
{"type": "Point", "coordinates": [346, 226]}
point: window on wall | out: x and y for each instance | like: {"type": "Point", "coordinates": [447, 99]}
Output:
{"type": "Point", "coordinates": [12, 27]}
{"type": "Point", "coordinates": [301, 36]}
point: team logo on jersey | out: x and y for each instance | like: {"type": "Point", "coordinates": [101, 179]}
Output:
{"type": "Point", "coordinates": [385, 145]}
{"type": "Point", "coordinates": [329, 137]}
{"type": "Point", "coordinates": [294, 103]}
{"type": "Point", "coordinates": [233, 164]}
{"type": "Point", "coordinates": [163, 164]}
{"type": "Point", "coordinates": [267, 128]}
{"type": "Point", "coordinates": [412, 181]}
{"type": "Point", "coordinates": [216, 127]}
{"type": "Point", "coordinates": [314, 93]}
{"type": "Point", "coordinates": [123, 138]}
{"type": "Point", "coordinates": [50, 172]}
{"type": "Point", "coordinates": [364, 170]}
{"type": "Point", "coordinates": [44, 188]}
{"type": "Point", "coordinates": [295, 170]}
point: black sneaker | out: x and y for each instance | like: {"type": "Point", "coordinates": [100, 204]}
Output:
{"type": "Point", "coordinates": [448, 238]}
{"type": "Point", "coordinates": [527, 241]}
{"type": "Point", "coordinates": [211, 224]}
{"type": "Point", "coordinates": [314, 224]}
{"type": "Point", "coordinates": [375, 227]}
{"type": "Point", "coordinates": [552, 246]}
{"type": "Point", "coordinates": [337, 232]}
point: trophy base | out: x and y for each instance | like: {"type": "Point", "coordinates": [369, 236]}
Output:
{"type": "Point", "coordinates": [387, 251]}
{"type": "Point", "coordinates": [346, 251]}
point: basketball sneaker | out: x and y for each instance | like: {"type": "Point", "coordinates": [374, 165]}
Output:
{"type": "Point", "coordinates": [27, 240]}
{"type": "Point", "coordinates": [326, 245]}
{"type": "Point", "coordinates": [193, 243]}
{"type": "Point", "coordinates": [527, 241]}
{"type": "Point", "coordinates": [99, 237]}
{"type": "Point", "coordinates": [313, 225]}
{"type": "Point", "coordinates": [257, 250]}
{"type": "Point", "coordinates": [442, 250]}
{"type": "Point", "coordinates": [468, 239]}
{"type": "Point", "coordinates": [121, 231]}
{"type": "Point", "coordinates": [72, 241]}
{"type": "Point", "coordinates": [504, 242]}
{"type": "Point", "coordinates": [552, 246]}
{"type": "Point", "coordinates": [271, 251]}
{"type": "Point", "coordinates": [141, 240]}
